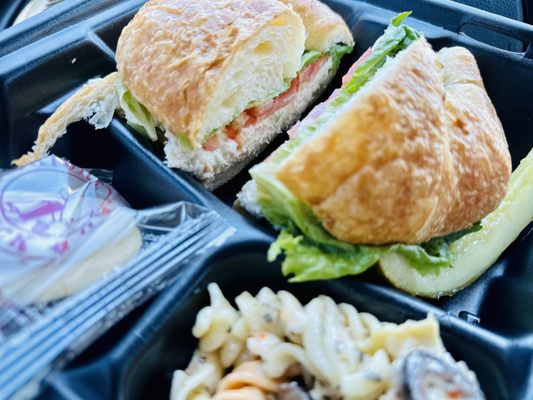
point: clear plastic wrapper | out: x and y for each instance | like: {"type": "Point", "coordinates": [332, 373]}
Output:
{"type": "Point", "coordinates": [74, 258]}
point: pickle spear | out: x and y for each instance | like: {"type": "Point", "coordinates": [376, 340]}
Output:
{"type": "Point", "coordinates": [476, 252]}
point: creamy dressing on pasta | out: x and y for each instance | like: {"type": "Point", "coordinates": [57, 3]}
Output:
{"type": "Point", "coordinates": [333, 350]}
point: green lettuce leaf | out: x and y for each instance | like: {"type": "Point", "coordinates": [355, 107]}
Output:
{"type": "Point", "coordinates": [337, 52]}
{"type": "Point", "coordinates": [285, 211]}
{"type": "Point", "coordinates": [396, 38]}
{"type": "Point", "coordinates": [142, 120]}
{"type": "Point", "coordinates": [429, 257]}
{"type": "Point", "coordinates": [309, 57]}
{"type": "Point", "coordinates": [137, 116]}
{"type": "Point", "coordinates": [309, 261]}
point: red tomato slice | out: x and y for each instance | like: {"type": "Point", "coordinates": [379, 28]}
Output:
{"type": "Point", "coordinates": [257, 113]}
{"type": "Point", "coordinates": [321, 107]}
{"type": "Point", "coordinates": [211, 143]}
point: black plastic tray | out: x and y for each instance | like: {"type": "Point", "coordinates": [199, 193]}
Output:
{"type": "Point", "coordinates": [35, 76]}
{"type": "Point", "coordinates": [141, 366]}
{"type": "Point", "coordinates": [9, 9]}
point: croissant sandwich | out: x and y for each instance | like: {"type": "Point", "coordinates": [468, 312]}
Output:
{"type": "Point", "coordinates": [407, 156]}
{"type": "Point", "coordinates": [215, 80]}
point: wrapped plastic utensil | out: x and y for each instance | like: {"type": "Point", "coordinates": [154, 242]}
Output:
{"type": "Point", "coordinates": [74, 258]}
{"type": "Point", "coordinates": [60, 230]}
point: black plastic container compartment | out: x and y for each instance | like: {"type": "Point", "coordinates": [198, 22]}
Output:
{"type": "Point", "coordinates": [35, 77]}
{"type": "Point", "coordinates": [483, 353]}
{"type": "Point", "coordinates": [141, 366]}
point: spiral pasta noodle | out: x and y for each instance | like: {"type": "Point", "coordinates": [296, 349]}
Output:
{"type": "Point", "coordinates": [246, 381]}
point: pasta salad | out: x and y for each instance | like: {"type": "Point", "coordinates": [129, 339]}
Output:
{"type": "Point", "coordinates": [273, 347]}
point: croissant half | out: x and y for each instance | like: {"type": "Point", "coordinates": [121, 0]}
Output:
{"type": "Point", "coordinates": [418, 153]}
{"type": "Point", "coordinates": [214, 80]}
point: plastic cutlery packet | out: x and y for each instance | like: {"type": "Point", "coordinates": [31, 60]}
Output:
{"type": "Point", "coordinates": [60, 230]}
{"type": "Point", "coordinates": [71, 246]}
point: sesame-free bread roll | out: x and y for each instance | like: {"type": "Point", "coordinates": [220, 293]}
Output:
{"type": "Point", "coordinates": [418, 153]}
{"type": "Point", "coordinates": [324, 27]}
{"type": "Point", "coordinates": [195, 65]}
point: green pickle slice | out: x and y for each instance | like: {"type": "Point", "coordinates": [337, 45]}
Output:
{"type": "Point", "coordinates": [475, 252]}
